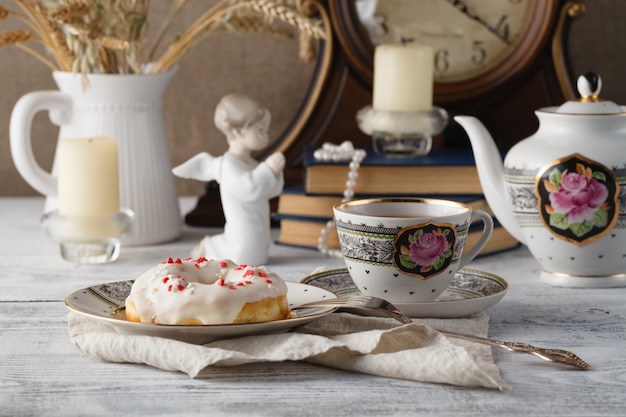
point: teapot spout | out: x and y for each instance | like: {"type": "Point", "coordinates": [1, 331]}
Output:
{"type": "Point", "coordinates": [491, 173]}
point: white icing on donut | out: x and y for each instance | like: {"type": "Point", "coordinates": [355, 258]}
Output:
{"type": "Point", "coordinates": [210, 291]}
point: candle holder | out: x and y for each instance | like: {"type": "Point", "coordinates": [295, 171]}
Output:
{"type": "Point", "coordinates": [402, 134]}
{"type": "Point", "coordinates": [88, 239]}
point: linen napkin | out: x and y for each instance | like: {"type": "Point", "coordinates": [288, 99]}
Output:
{"type": "Point", "coordinates": [369, 345]}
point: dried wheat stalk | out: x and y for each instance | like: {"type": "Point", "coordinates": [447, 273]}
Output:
{"type": "Point", "coordinates": [109, 36]}
{"type": "Point", "coordinates": [14, 37]}
{"type": "Point", "coordinates": [252, 24]}
{"type": "Point", "coordinates": [173, 12]}
{"type": "Point", "coordinates": [273, 10]}
{"type": "Point", "coordinates": [19, 38]}
{"type": "Point", "coordinates": [217, 19]}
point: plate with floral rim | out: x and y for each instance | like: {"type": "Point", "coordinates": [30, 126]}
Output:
{"type": "Point", "coordinates": [105, 303]}
{"type": "Point", "coordinates": [469, 292]}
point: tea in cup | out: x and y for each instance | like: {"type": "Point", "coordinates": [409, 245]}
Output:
{"type": "Point", "coordinates": [406, 250]}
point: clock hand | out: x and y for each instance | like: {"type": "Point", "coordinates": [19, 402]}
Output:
{"type": "Point", "coordinates": [463, 8]}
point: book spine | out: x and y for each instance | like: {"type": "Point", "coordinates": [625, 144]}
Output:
{"type": "Point", "coordinates": [329, 179]}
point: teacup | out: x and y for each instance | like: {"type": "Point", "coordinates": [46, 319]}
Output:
{"type": "Point", "coordinates": [406, 250]}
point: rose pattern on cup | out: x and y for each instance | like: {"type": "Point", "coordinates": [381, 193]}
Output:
{"type": "Point", "coordinates": [578, 199]}
{"type": "Point", "coordinates": [426, 250]}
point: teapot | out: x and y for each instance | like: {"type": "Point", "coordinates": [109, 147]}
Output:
{"type": "Point", "coordinates": [562, 191]}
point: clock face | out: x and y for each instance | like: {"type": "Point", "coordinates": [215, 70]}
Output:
{"type": "Point", "coordinates": [469, 37]}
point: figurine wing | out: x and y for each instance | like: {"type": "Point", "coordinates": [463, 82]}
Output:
{"type": "Point", "coordinates": [199, 167]}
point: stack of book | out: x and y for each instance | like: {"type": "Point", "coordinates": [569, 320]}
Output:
{"type": "Point", "coordinates": [302, 211]}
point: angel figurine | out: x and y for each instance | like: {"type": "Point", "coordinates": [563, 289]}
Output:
{"type": "Point", "coordinates": [245, 185]}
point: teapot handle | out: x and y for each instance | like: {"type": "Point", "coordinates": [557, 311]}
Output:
{"type": "Point", "coordinates": [59, 106]}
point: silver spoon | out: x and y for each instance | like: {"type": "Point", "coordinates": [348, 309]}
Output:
{"type": "Point", "coordinates": [384, 307]}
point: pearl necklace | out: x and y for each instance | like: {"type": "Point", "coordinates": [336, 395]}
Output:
{"type": "Point", "coordinates": [337, 153]}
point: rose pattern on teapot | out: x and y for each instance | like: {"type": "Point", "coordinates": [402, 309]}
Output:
{"type": "Point", "coordinates": [577, 199]}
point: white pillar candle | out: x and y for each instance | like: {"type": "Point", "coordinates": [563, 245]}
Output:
{"type": "Point", "coordinates": [403, 77]}
{"type": "Point", "coordinates": [88, 177]}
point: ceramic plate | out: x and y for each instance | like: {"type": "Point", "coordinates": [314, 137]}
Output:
{"type": "Point", "coordinates": [470, 292]}
{"type": "Point", "coordinates": [106, 302]}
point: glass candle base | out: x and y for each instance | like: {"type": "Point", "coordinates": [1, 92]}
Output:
{"type": "Point", "coordinates": [401, 147]}
{"type": "Point", "coordinates": [402, 134]}
{"type": "Point", "coordinates": [88, 239]}
{"type": "Point", "coordinates": [95, 252]}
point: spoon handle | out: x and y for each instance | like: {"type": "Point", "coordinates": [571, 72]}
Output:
{"type": "Point", "coordinates": [552, 355]}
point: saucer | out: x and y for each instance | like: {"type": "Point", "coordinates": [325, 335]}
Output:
{"type": "Point", "coordinates": [105, 303]}
{"type": "Point", "coordinates": [469, 292]}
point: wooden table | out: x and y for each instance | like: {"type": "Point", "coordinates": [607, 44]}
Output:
{"type": "Point", "coordinates": [43, 374]}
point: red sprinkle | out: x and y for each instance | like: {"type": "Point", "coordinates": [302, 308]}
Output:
{"type": "Point", "coordinates": [169, 288]}
{"type": "Point", "coordinates": [240, 284]}
{"type": "Point", "coordinates": [169, 261]}
{"type": "Point", "coordinates": [223, 264]}
{"type": "Point", "coordinates": [220, 282]}
{"type": "Point", "coordinates": [199, 261]}
{"type": "Point", "coordinates": [181, 287]}
{"type": "Point", "coordinates": [248, 273]}
{"type": "Point", "coordinates": [188, 259]}
{"type": "Point", "coordinates": [262, 274]}
{"type": "Point", "coordinates": [232, 287]}
{"type": "Point", "coordinates": [268, 281]}
{"type": "Point", "coordinates": [248, 282]}
{"type": "Point", "coordinates": [165, 280]}
{"type": "Point", "coordinates": [178, 261]}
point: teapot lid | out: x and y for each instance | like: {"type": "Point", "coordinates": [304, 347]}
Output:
{"type": "Point", "coordinates": [589, 86]}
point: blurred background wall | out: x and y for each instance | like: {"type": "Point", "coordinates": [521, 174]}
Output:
{"type": "Point", "coordinates": [265, 68]}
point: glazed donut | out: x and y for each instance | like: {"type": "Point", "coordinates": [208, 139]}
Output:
{"type": "Point", "coordinates": [201, 291]}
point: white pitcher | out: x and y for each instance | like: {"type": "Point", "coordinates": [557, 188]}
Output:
{"type": "Point", "coordinates": [127, 107]}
